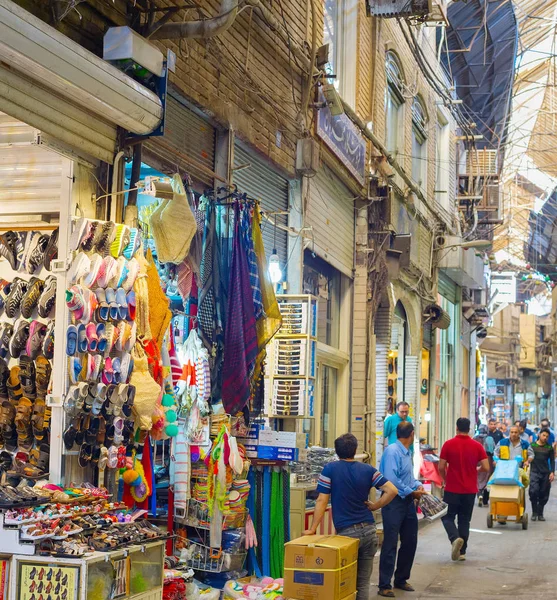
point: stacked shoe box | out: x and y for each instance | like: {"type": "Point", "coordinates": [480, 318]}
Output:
{"type": "Point", "coordinates": [289, 389]}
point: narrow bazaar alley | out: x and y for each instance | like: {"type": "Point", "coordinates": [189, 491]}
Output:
{"type": "Point", "coordinates": [504, 562]}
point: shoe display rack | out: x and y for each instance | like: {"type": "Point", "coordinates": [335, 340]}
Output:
{"type": "Point", "coordinates": [31, 319]}
{"type": "Point", "coordinates": [290, 386]}
{"type": "Point", "coordinates": [135, 573]}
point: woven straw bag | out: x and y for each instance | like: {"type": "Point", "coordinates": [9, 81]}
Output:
{"type": "Point", "coordinates": [147, 390]}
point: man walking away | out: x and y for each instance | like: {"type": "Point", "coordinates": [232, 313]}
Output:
{"type": "Point", "coordinates": [458, 466]}
{"type": "Point", "coordinates": [493, 431]}
{"type": "Point", "coordinates": [488, 443]}
{"type": "Point", "coordinates": [348, 483]}
{"type": "Point", "coordinates": [399, 517]}
{"type": "Point", "coordinates": [542, 471]}
{"type": "Point", "coordinates": [392, 421]}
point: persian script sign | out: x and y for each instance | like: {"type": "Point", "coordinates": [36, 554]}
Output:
{"type": "Point", "coordinates": [345, 140]}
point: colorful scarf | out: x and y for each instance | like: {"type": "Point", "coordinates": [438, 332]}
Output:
{"type": "Point", "coordinates": [241, 347]}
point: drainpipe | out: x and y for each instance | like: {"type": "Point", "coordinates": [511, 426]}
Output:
{"type": "Point", "coordinates": [202, 29]}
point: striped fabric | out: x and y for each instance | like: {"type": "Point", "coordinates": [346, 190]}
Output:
{"type": "Point", "coordinates": [181, 461]}
{"type": "Point", "coordinates": [325, 483]}
{"type": "Point", "coordinates": [246, 229]}
{"type": "Point", "coordinates": [185, 279]}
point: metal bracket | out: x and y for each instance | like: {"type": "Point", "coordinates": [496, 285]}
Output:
{"type": "Point", "coordinates": [60, 265]}
{"type": "Point", "coordinates": [55, 401]}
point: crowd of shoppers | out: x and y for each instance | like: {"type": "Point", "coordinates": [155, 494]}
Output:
{"type": "Point", "coordinates": [465, 465]}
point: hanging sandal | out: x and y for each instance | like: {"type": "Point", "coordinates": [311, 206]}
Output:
{"type": "Point", "coordinates": [15, 392]}
{"type": "Point", "coordinates": [27, 377]}
{"type": "Point", "coordinates": [23, 415]}
{"type": "Point", "coordinates": [43, 372]}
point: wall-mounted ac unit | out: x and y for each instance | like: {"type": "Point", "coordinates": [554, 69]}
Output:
{"type": "Point", "coordinates": [479, 163]}
{"type": "Point", "coordinates": [397, 8]}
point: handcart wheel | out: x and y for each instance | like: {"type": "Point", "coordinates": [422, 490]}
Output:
{"type": "Point", "coordinates": [490, 521]}
{"type": "Point", "coordinates": [524, 521]}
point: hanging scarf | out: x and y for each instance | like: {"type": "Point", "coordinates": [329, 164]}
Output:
{"type": "Point", "coordinates": [241, 334]}
{"type": "Point", "coordinates": [247, 238]}
{"type": "Point", "coordinates": [271, 319]}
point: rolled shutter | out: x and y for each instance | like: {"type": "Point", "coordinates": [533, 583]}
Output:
{"type": "Point", "coordinates": [188, 144]}
{"type": "Point", "coordinates": [262, 183]}
{"type": "Point", "coordinates": [70, 128]}
{"type": "Point", "coordinates": [411, 382]}
{"type": "Point", "coordinates": [30, 176]}
{"type": "Point", "coordinates": [382, 346]}
{"type": "Point", "coordinates": [330, 213]}
{"type": "Point", "coordinates": [447, 288]}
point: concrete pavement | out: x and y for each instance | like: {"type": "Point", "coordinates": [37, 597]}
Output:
{"type": "Point", "coordinates": [504, 562]}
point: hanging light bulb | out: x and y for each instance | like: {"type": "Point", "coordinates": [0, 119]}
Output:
{"type": "Point", "coordinates": [275, 272]}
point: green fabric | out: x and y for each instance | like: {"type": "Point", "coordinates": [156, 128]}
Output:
{"type": "Point", "coordinates": [277, 526]}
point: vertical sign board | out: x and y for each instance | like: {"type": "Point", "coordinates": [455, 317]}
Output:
{"type": "Point", "coordinates": [345, 140]}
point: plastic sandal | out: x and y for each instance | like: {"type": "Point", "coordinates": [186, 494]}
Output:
{"type": "Point", "coordinates": [121, 240]}
{"type": "Point", "coordinates": [122, 303]}
{"type": "Point", "coordinates": [81, 338]}
{"type": "Point", "coordinates": [113, 305]}
{"type": "Point", "coordinates": [131, 301]}
{"type": "Point", "coordinates": [103, 311]}
{"type": "Point", "coordinates": [101, 336]}
{"type": "Point", "coordinates": [71, 340]}
{"type": "Point", "coordinates": [92, 338]}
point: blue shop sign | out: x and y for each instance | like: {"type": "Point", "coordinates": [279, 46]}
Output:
{"type": "Point", "coordinates": [345, 140]}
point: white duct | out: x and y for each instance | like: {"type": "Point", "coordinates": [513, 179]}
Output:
{"type": "Point", "coordinates": [56, 63]}
{"type": "Point", "coordinates": [202, 29]}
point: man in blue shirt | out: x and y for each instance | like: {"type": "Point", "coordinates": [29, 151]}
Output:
{"type": "Point", "coordinates": [392, 421]}
{"type": "Point", "coordinates": [347, 484]}
{"type": "Point", "coordinates": [399, 517]}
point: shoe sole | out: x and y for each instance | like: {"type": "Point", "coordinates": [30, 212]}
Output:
{"type": "Point", "coordinates": [456, 548]}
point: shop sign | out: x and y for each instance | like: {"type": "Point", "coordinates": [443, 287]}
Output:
{"type": "Point", "coordinates": [31, 575]}
{"type": "Point", "coordinates": [505, 284]}
{"type": "Point", "coordinates": [345, 140]}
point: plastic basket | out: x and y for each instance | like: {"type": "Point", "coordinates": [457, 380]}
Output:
{"type": "Point", "coordinates": [197, 515]}
{"type": "Point", "coordinates": [213, 560]}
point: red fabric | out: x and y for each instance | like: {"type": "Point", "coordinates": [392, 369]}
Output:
{"type": "Point", "coordinates": [148, 469]}
{"type": "Point", "coordinates": [462, 454]}
{"type": "Point", "coordinates": [127, 497]}
{"type": "Point", "coordinates": [430, 471]}
{"type": "Point", "coordinates": [154, 360]}
{"type": "Point", "coordinates": [170, 522]}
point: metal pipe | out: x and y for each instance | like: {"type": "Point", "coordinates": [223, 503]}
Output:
{"type": "Point", "coordinates": [200, 29]}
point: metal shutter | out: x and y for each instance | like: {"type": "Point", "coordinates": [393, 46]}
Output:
{"type": "Point", "coordinates": [411, 383]}
{"type": "Point", "coordinates": [188, 144]}
{"type": "Point", "coordinates": [262, 183]}
{"type": "Point", "coordinates": [84, 134]}
{"type": "Point", "coordinates": [30, 176]}
{"type": "Point", "coordinates": [447, 288]}
{"type": "Point", "coordinates": [330, 213]}
{"type": "Point", "coordinates": [382, 346]}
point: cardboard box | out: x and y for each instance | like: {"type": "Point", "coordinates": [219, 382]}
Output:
{"type": "Point", "coordinates": [505, 493]}
{"type": "Point", "coordinates": [284, 439]}
{"type": "Point", "coordinates": [321, 567]}
{"type": "Point", "coordinates": [277, 453]}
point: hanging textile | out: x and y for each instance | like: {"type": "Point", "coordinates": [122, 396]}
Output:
{"type": "Point", "coordinates": [210, 316]}
{"type": "Point", "coordinates": [180, 466]}
{"type": "Point", "coordinates": [159, 313]}
{"type": "Point", "coordinates": [270, 320]}
{"type": "Point", "coordinates": [240, 340]}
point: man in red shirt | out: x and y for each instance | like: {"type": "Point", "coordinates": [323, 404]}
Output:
{"type": "Point", "coordinates": [461, 459]}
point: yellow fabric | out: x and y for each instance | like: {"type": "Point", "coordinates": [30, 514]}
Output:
{"type": "Point", "coordinates": [159, 313]}
{"type": "Point", "coordinates": [505, 452]}
{"type": "Point", "coordinates": [270, 322]}
{"type": "Point", "coordinates": [141, 290]}
{"type": "Point", "coordinates": [147, 390]}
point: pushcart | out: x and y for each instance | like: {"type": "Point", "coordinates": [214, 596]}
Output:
{"type": "Point", "coordinates": [507, 503]}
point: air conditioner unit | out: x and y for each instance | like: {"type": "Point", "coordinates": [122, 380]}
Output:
{"type": "Point", "coordinates": [480, 163]}
{"type": "Point", "coordinates": [398, 8]}
{"type": "Point", "coordinates": [437, 13]}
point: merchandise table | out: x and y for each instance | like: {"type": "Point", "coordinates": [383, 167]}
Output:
{"type": "Point", "coordinates": [134, 573]}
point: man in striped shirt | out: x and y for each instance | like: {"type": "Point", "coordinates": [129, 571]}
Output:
{"type": "Point", "coordinates": [347, 483]}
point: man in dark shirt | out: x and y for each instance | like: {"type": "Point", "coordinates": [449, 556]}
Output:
{"type": "Point", "coordinates": [542, 469]}
{"type": "Point", "coordinates": [347, 484]}
{"type": "Point", "coordinates": [461, 459]}
{"type": "Point", "coordinates": [493, 431]}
